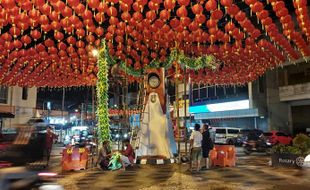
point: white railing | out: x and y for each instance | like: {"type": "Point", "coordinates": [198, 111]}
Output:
{"type": "Point", "coordinates": [295, 92]}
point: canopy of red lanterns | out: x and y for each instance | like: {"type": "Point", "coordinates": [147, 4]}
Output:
{"type": "Point", "coordinates": [49, 42]}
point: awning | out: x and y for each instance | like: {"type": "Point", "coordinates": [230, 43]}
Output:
{"type": "Point", "coordinates": [6, 115]}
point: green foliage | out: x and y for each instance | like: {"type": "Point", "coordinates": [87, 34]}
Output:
{"type": "Point", "coordinates": [102, 94]}
{"type": "Point", "coordinates": [302, 142]}
{"type": "Point", "coordinates": [205, 61]}
{"type": "Point", "coordinates": [301, 146]}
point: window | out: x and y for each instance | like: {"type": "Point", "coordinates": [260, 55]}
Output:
{"type": "Point", "coordinates": [261, 84]}
{"type": "Point", "coordinates": [267, 134]}
{"type": "Point", "coordinates": [3, 94]}
{"type": "Point", "coordinates": [220, 131]}
{"type": "Point", "coordinates": [220, 91]}
{"type": "Point", "coordinates": [280, 134]}
{"type": "Point", "coordinates": [203, 92]}
{"type": "Point", "coordinates": [25, 93]}
{"type": "Point", "coordinates": [233, 131]}
{"type": "Point", "coordinates": [230, 90]}
{"type": "Point", "coordinates": [211, 92]}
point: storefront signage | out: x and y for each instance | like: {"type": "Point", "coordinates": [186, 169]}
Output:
{"type": "Point", "coordinates": [288, 160]}
{"type": "Point", "coordinates": [225, 106]}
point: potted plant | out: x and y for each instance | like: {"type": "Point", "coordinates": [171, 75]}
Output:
{"type": "Point", "coordinates": [291, 156]}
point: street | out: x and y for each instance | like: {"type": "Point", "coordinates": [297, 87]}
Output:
{"type": "Point", "coordinates": [251, 172]}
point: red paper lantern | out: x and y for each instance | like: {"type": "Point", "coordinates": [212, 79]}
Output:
{"type": "Point", "coordinates": [183, 2]}
{"type": "Point", "coordinates": [182, 12]}
{"type": "Point", "coordinates": [211, 5]}
{"type": "Point", "coordinates": [240, 16]}
{"type": "Point", "coordinates": [35, 34]}
{"type": "Point", "coordinates": [169, 4]}
{"type": "Point", "coordinates": [226, 3]}
{"type": "Point", "coordinates": [257, 7]}
{"type": "Point", "coordinates": [232, 10]}
{"type": "Point", "coordinates": [217, 14]}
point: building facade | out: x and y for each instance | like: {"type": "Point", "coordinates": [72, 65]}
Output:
{"type": "Point", "coordinates": [288, 98]}
{"type": "Point", "coordinates": [17, 105]}
{"type": "Point", "coordinates": [225, 106]}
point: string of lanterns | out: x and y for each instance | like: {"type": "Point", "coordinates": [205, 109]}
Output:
{"type": "Point", "coordinates": [50, 42]}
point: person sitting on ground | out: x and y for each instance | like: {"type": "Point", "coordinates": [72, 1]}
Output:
{"type": "Point", "coordinates": [104, 155]}
{"type": "Point", "coordinates": [127, 156]}
{"type": "Point", "coordinates": [195, 147]}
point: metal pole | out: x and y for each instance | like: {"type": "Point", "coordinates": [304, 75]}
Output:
{"type": "Point", "coordinates": [62, 111]}
{"type": "Point", "coordinates": [178, 114]}
{"type": "Point", "coordinates": [185, 111]}
{"type": "Point", "coordinates": [82, 112]}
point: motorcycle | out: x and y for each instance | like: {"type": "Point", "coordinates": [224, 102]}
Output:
{"type": "Point", "coordinates": [19, 178]}
{"type": "Point", "coordinates": [261, 145]}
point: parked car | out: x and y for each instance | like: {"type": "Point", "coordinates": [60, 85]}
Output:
{"type": "Point", "coordinates": [277, 137]}
{"type": "Point", "coordinates": [226, 135]}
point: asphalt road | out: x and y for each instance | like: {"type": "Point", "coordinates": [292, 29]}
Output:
{"type": "Point", "coordinates": [251, 172]}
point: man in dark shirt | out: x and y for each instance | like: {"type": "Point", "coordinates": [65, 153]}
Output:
{"type": "Point", "coordinates": [49, 140]}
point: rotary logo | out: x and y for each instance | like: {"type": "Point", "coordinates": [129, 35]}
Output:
{"type": "Point", "coordinates": [300, 161]}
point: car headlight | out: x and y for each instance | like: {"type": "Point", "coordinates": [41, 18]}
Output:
{"type": "Point", "coordinates": [51, 187]}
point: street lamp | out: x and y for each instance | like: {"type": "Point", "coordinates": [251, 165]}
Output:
{"type": "Point", "coordinates": [95, 52]}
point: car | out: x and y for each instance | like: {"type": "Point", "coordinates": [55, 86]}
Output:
{"type": "Point", "coordinates": [226, 135]}
{"type": "Point", "coordinates": [278, 137]}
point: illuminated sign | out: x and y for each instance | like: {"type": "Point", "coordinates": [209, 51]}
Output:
{"type": "Point", "coordinates": [225, 106]}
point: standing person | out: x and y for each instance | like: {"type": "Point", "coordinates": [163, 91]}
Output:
{"type": "Point", "coordinates": [207, 144]}
{"type": "Point", "coordinates": [49, 140]}
{"type": "Point", "coordinates": [195, 147]}
{"type": "Point", "coordinates": [104, 155]}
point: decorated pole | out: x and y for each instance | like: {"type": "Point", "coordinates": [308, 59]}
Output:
{"type": "Point", "coordinates": [102, 95]}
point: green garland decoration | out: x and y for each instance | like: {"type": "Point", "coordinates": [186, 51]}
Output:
{"type": "Point", "coordinates": [205, 61]}
{"type": "Point", "coordinates": [102, 94]}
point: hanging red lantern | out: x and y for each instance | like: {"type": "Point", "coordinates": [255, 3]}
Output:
{"type": "Point", "coordinates": [226, 3]}
{"type": "Point", "coordinates": [79, 9]}
{"type": "Point", "coordinates": [200, 18]}
{"type": "Point", "coordinates": [183, 2]}
{"type": "Point", "coordinates": [93, 4]}
{"type": "Point", "coordinates": [26, 40]}
{"type": "Point", "coordinates": [182, 12]}
{"type": "Point", "coordinates": [262, 14]}
{"type": "Point", "coordinates": [257, 7]}
{"type": "Point", "coordinates": [35, 34]}
{"type": "Point", "coordinates": [112, 11]}
{"type": "Point", "coordinates": [232, 10]}
{"type": "Point", "coordinates": [211, 5]}
{"type": "Point", "coordinates": [240, 16]}
{"type": "Point", "coordinates": [58, 36]}
{"type": "Point", "coordinates": [137, 16]}
{"type": "Point", "coordinates": [277, 6]}
{"type": "Point", "coordinates": [8, 4]}
{"type": "Point", "coordinates": [49, 43]}
{"type": "Point", "coordinates": [126, 16]}
{"type": "Point", "coordinates": [250, 2]}
{"type": "Point", "coordinates": [17, 44]}
{"type": "Point", "coordinates": [267, 21]}
{"type": "Point", "coordinates": [151, 15]}
{"type": "Point", "coordinates": [197, 9]}
{"type": "Point", "coordinates": [217, 14]}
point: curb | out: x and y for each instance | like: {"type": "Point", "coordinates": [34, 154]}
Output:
{"type": "Point", "coordinates": [155, 161]}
